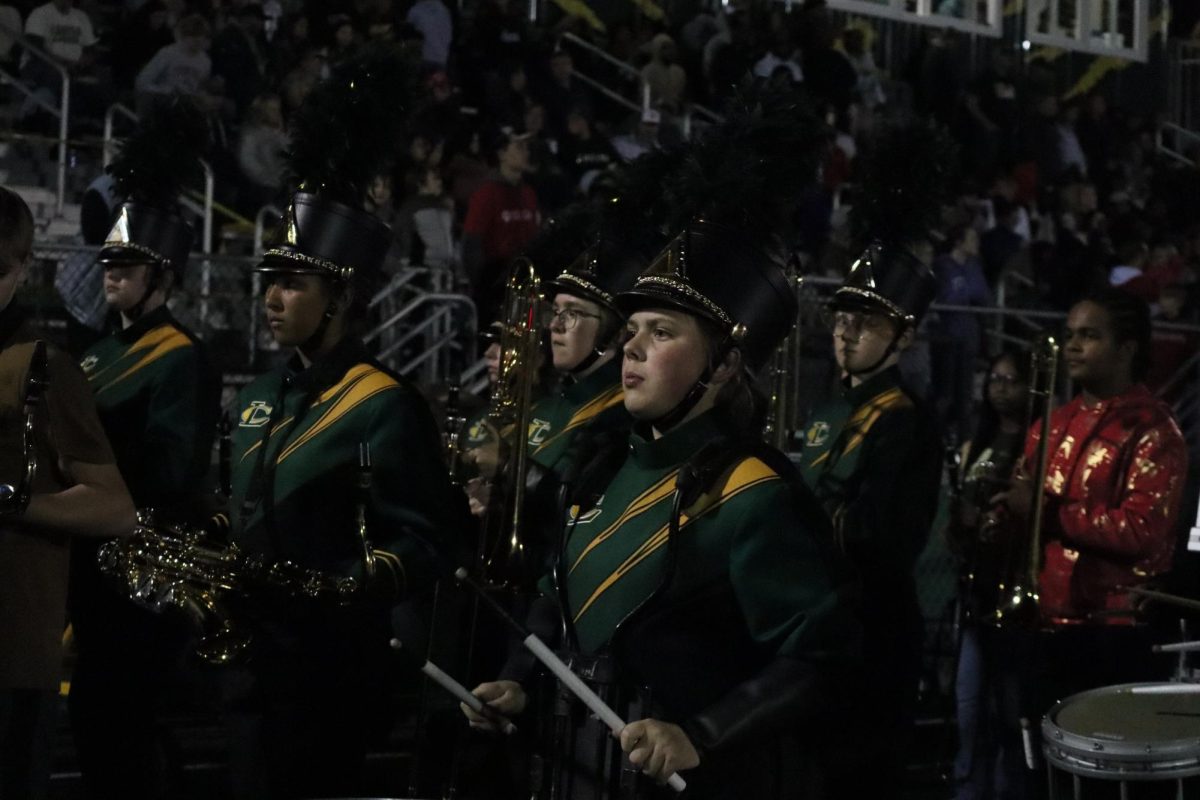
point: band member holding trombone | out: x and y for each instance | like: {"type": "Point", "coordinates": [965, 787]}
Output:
{"type": "Point", "coordinates": [60, 480]}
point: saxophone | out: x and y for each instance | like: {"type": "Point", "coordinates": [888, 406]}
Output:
{"type": "Point", "coordinates": [179, 566]}
{"type": "Point", "coordinates": [14, 498]}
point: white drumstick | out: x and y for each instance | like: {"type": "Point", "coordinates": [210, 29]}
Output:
{"type": "Point", "coordinates": [435, 673]}
{"type": "Point", "coordinates": [586, 695]}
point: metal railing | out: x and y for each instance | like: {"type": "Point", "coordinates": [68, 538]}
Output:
{"type": "Point", "coordinates": [686, 117]}
{"type": "Point", "coordinates": [63, 111]}
{"type": "Point", "coordinates": [1172, 141]}
{"type": "Point", "coordinates": [1183, 83]}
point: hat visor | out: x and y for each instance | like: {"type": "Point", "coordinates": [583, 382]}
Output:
{"type": "Point", "coordinates": [116, 255]}
{"type": "Point", "coordinates": [663, 297]}
{"type": "Point", "coordinates": [280, 262]}
{"type": "Point", "coordinates": [864, 300]}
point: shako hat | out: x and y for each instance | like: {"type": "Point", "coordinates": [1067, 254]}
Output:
{"type": "Point", "coordinates": [142, 233]}
{"type": "Point", "coordinates": [320, 236]}
{"type": "Point", "coordinates": [890, 279]}
{"type": "Point", "coordinates": [723, 275]}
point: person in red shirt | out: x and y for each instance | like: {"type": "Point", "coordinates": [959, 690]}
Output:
{"type": "Point", "coordinates": [1116, 466]}
{"type": "Point", "coordinates": [502, 218]}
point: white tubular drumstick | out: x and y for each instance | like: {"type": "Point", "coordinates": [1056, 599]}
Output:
{"type": "Point", "coordinates": [561, 671]}
{"type": "Point", "coordinates": [435, 674]}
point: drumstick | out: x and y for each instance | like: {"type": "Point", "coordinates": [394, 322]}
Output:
{"type": "Point", "coordinates": [455, 688]}
{"type": "Point", "coordinates": [561, 671]}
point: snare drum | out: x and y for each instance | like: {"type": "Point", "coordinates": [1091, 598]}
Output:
{"type": "Point", "coordinates": [1134, 733]}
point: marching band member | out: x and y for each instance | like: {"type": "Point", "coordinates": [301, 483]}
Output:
{"type": "Point", "coordinates": [677, 584]}
{"type": "Point", "coordinates": [77, 491]}
{"type": "Point", "coordinates": [159, 402]}
{"type": "Point", "coordinates": [305, 705]}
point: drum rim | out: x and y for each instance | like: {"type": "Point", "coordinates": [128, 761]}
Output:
{"type": "Point", "coordinates": [1079, 754]}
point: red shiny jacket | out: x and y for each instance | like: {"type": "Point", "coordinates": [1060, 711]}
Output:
{"type": "Point", "coordinates": [1113, 485]}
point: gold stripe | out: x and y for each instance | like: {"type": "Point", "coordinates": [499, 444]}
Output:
{"type": "Point", "coordinates": [357, 392]}
{"type": "Point", "coordinates": [150, 338]}
{"type": "Point", "coordinates": [276, 428]}
{"type": "Point", "coordinates": [876, 405]}
{"type": "Point", "coordinates": [603, 402]}
{"type": "Point", "coordinates": [757, 473]}
{"type": "Point", "coordinates": [643, 502]}
{"type": "Point", "coordinates": [159, 346]}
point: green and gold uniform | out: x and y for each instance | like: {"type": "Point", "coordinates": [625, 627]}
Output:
{"type": "Point", "coordinates": [697, 617]}
{"type": "Point", "coordinates": [159, 402]}
{"type": "Point", "coordinates": [596, 399]}
{"type": "Point", "coordinates": [315, 685]}
{"type": "Point", "coordinates": [873, 458]}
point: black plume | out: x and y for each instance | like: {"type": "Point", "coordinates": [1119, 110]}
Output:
{"type": "Point", "coordinates": [163, 155]}
{"type": "Point", "coordinates": [906, 176]}
{"type": "Point", "coordinates": [350, 126]}
{"type": "Point", "coordinates": [748, 171]}
{"type": "Point", "coordinates": [562, 239]}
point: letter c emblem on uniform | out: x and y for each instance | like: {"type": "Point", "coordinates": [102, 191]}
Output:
{"type": "Point", "coordinates": [255, 415]}
{"type": "Point", "coordinates": [818, 434]}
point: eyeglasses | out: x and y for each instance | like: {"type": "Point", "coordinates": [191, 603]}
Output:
{"type": "Point", "coordinates": [841, 322]}
{"type": "Point", "coordinates": [568, 318]}
{"type": "Point", "coordinates": [1005, 380]}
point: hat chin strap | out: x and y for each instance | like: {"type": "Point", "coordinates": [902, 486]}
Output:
{"type": "Point", "coordinates": [690, 400]}
{"type": "Point", "coordinates": [588, 360]}
{"type": "Point", "coordinates": [887, 353]}
{"type": "Point", "coordinates": [153, 274]}
{"type": "Point", "coordinates": [313, 343]}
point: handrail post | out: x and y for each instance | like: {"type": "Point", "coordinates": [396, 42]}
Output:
{"type": "Point", "coordinates": [206, 243]}
{"type": "Point", "coordinates": [260, 225]}
{"type": "Point", "coordinates": [63, 127]}
{"type": "Point", "coordinates": [106, 155]}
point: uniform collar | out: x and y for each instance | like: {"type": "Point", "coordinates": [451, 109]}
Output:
{"type": "Point", "coordinates": [326, 370]}
{"type": "Point", "coordinates": [1137, 394]}
{"type": "Point", "coordinates": [589, 386]}
{"type": "Point", "coordinates": [145, 322]}
{"type": "Point", "coordinates": [856, 395]}
{"type": "Point", "coordinates": [677, 444]}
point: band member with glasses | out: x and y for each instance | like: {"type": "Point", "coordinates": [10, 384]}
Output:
{"type": "Point", "coordinates": [76, 492]}
{"type": "Point", "coordinates": [694, 583]}
{"type": "Point", "coordinates": [873, 456]}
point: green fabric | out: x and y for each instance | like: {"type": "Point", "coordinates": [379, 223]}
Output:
{"type": "Point", "coordinates": [745, 532]}
{"type": "Point", "coordinates": [301, 504]}
{"type": "Point", "coordinates": [556, 419]}
{"type": "Point", "coordinates": [159, 404]}
{"type": "Point", "coordinates": [830, 430]}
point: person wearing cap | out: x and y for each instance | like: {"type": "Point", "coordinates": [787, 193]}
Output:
{"type": "Point", "coordinates": [873, 457]}
{"type": "Point", "coordinates": [302, 707]}
{"type": "Point", "coordinates": [694, 582]}
{"type": "Point", "coordinates": [502, 218]}
{"type": "Point", "coordinates": [159, 401]}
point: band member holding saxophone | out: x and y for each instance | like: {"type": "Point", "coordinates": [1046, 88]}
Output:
{"type": "Point", "coordinates": [60, 481]}
{"type": "Point", "coordinates": [873, 455]}
{"type": "Point", "coordinates": [159, 401]}
{"type": "Point", "coordinates": [1115, 468]}
{"type": "Point", "coordinates": [313, 692]}
{"type": "Point", "coordinates": [692, 581]}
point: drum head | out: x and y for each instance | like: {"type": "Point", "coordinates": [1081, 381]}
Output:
{"type": "Point", "coordinates": [1127, 732]}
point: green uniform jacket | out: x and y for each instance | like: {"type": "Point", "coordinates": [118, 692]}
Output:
{"type": "Point", "coordinates": [555, 420]}
{"type": "Point", "coordinates": [701, 617]}
{"type": "Point", "coordinates": [295, 461]}
{"type": "Point", "coordinates": [874, 459]}
{"type": "Point", "coordinates": [159, 402]}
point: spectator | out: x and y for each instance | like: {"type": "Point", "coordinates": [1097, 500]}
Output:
{"type": "Point", "coordinates": [466, 170]}
{"type": "Point", "coordinates": [643, 139]}
{"type": "Point", "coordinates": [552, 186]}
{"type": "Point", "coordinates": [343, 37]}
{"type": "Point", "coordinates": [289, 45]}
{"type": "Point", "coordinates": [1131, 261]}
{"type": "Point", "coordinates": [1170, 348]}
{"type": "Point", "coordinates": [425, 226]}
{"type": "Point", "coordinates": [664, 77]}
{"type": "Point", "coordinates": [145, 32]}
{"type": "Point", "coordinates": [502, 217]}
{"type": "Point", "coordinates": [261, 150]}
{"type": "Point", "coordinates": [1000, 245]}
{"type": "Point", "coordinates": [237, 56]}
{"type": "Point", "coordinates": [870, 84]}
{"type": "Point", "coordinates": [507, 105]}
{"type": "Point", "coordinates": [583, 152]}
{"type": "Point", "coordinates": [432, 19]}
{"type": "Point", "coordinates": [64, 33]}
{"type": "Point", "coordinates": [10, 24]}
{"type": "Point", "coordinates": [957, 334]}
{"type": "Point", "coordinates": [562, 92]}
{"type": "Point", "coordinates": [311, 69]}
{"type": "Point", "coordinates": [182, 67]}
{"type": "Point", "coordinates": [782, 55]}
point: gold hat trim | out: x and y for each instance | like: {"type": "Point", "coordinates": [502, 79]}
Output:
{"type": "Point", "coordinates": [568, 277]}
{"type": "Point", "coordinates": [889, 306]}
{"type": "Point", "coordinates": [689, 291]}
{"type": "Point", "coordinates": [137, 248]}
{"type": "Point", "coordinates": [322, 264]}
